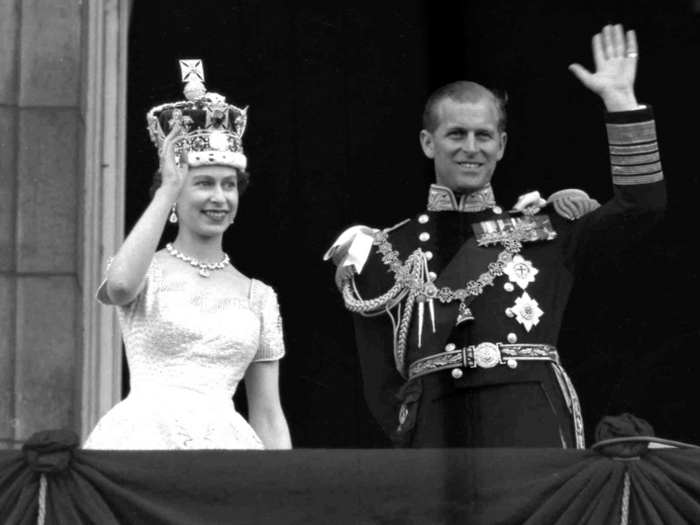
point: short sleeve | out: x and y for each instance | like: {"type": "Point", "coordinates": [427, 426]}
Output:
{"type": "Point", "coordinates": [101, 294]}
{"type": "Point", "coordinates": [152, 274]}
{"type": "Point", "coordinates": [271, 347]}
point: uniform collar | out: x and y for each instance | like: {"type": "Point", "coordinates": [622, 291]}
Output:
{"type": "Point", "coordinates": [441, 198]}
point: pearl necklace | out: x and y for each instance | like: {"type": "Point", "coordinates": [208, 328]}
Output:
{"type": "Point", "coordinates": [203, 268]}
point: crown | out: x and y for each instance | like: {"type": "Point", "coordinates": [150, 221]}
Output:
{"type": "Point", "coordinates": [212, 128]}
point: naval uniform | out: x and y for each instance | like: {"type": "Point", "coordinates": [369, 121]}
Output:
{"type": "Point", "coordinates": [487, 373]}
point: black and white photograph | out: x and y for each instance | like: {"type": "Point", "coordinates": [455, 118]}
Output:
{"type": "Point", "coordinates": [352, 262]}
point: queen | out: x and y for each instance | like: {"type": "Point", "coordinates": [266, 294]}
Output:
{"type": "Point", "coordinates": [194, 327]}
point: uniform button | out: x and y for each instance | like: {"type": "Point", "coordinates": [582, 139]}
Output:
{"type": "Point", "coordinates": [424, 236]}
{"type": "Point", "coordinates": [509, 312]}
{"type": "Point", "coordinates": [432, 276]}
{"type": "Point", "coordinates": [509, 287]}
{"type": "Point", "coordinates": [512, 338]}
{"type": "Point", "coordinates": [457, 373]}
{"type": "Point", "coordinates": [497, 210]}
{"type": "Point", "coordinates": [450, 347]}
{"type": "Point", "coordinates": [423, 219]}
{"type": "Point", "coordinates": [428, 255]}
{"type": "Point", "coordinates": [512, 363]}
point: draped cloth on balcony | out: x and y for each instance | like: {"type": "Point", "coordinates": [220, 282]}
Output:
{"type": "Point", "coordinates": [445, 486]}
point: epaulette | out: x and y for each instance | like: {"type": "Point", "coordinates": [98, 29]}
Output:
{"type": "Point", "coordinates": [571, 193]}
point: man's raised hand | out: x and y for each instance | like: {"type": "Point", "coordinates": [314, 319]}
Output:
{"type": "Point", "coordinates": [615, 54]}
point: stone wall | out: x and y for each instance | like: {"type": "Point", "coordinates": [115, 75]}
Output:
{"type": "Point", "coordinates": [40, 207]}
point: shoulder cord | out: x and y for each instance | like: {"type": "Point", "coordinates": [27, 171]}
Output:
{"type": "Point", "coordinates": [407, 274]}
{"type": "Point", "coordinates": [409, 280]}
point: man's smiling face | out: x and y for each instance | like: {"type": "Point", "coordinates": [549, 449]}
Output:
{"type": "Point", "coordinates": [466, 145]}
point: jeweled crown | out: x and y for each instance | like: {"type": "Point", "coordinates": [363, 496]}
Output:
{"type": "Point", "coordinates": [213, 129]}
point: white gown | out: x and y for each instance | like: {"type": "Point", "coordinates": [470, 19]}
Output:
{"type": "Point", "coordinates": [187, 352]}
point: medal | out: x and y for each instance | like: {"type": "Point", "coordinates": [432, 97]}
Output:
{"type": "Point", "coordinates": [527, 311]}
{"type": "Point", "coordinates": [520, 271]}
{"type": "Point", "coordinates": [498, 230]}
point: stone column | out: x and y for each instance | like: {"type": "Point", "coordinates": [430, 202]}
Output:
{"type": "Point", "coordinates": [40, 60]}
{"type": "Point", "coordinates": [62, 90]}
{"type": "Point", "coordinates": [104, 143]}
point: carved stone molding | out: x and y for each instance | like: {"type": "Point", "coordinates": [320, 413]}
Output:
{"type": "Point", "coordinates": [105, 26]}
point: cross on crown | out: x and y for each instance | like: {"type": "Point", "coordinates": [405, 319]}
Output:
{"type": "Point", "coordinates": [213, 129]}
{"type": "Point", "coordinates": [191, 68]}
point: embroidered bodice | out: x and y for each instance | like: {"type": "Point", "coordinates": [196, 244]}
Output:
{"type": "Point", "coordinates": [187, 352]}
{"type": "Point", "coordinates": [177, 335]}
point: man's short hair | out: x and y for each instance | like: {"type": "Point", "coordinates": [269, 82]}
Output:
{"type": "Point", "coordinates": [463, 91]}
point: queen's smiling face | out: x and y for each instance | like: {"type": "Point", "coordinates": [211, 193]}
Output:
{"type": "Point", "coordinates": [208, 201]}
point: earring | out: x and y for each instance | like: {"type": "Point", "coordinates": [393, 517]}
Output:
{"type": "Point", "coordinates": [173, 215]}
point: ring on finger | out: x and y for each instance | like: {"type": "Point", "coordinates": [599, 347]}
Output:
{"type": "Point", "coordinates": [632, 54]}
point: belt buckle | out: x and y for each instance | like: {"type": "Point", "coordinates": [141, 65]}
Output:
{"type": "Point", "coordinates": [486, 355]}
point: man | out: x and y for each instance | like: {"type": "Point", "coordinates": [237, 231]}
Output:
{"type": "Point", "coordinates": [459, 310]}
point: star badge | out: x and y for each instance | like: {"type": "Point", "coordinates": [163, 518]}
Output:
{"type": "Point", "coordinates": [521, 271]}
{"type": "Point", "coordinates": [527, 311]}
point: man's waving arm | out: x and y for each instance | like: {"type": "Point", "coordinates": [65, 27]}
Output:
{"type": "Point", "coordinates": [639, 191]}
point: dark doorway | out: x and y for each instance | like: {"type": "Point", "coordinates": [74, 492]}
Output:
{"type": "Point", "coordinates": [336, 91]}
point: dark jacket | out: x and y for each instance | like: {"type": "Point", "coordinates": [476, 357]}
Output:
{"type": "Point", "coordinates": [638, 203]}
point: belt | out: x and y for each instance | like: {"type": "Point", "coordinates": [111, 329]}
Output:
{"type": "Point", "coordinates": [484, 355]}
